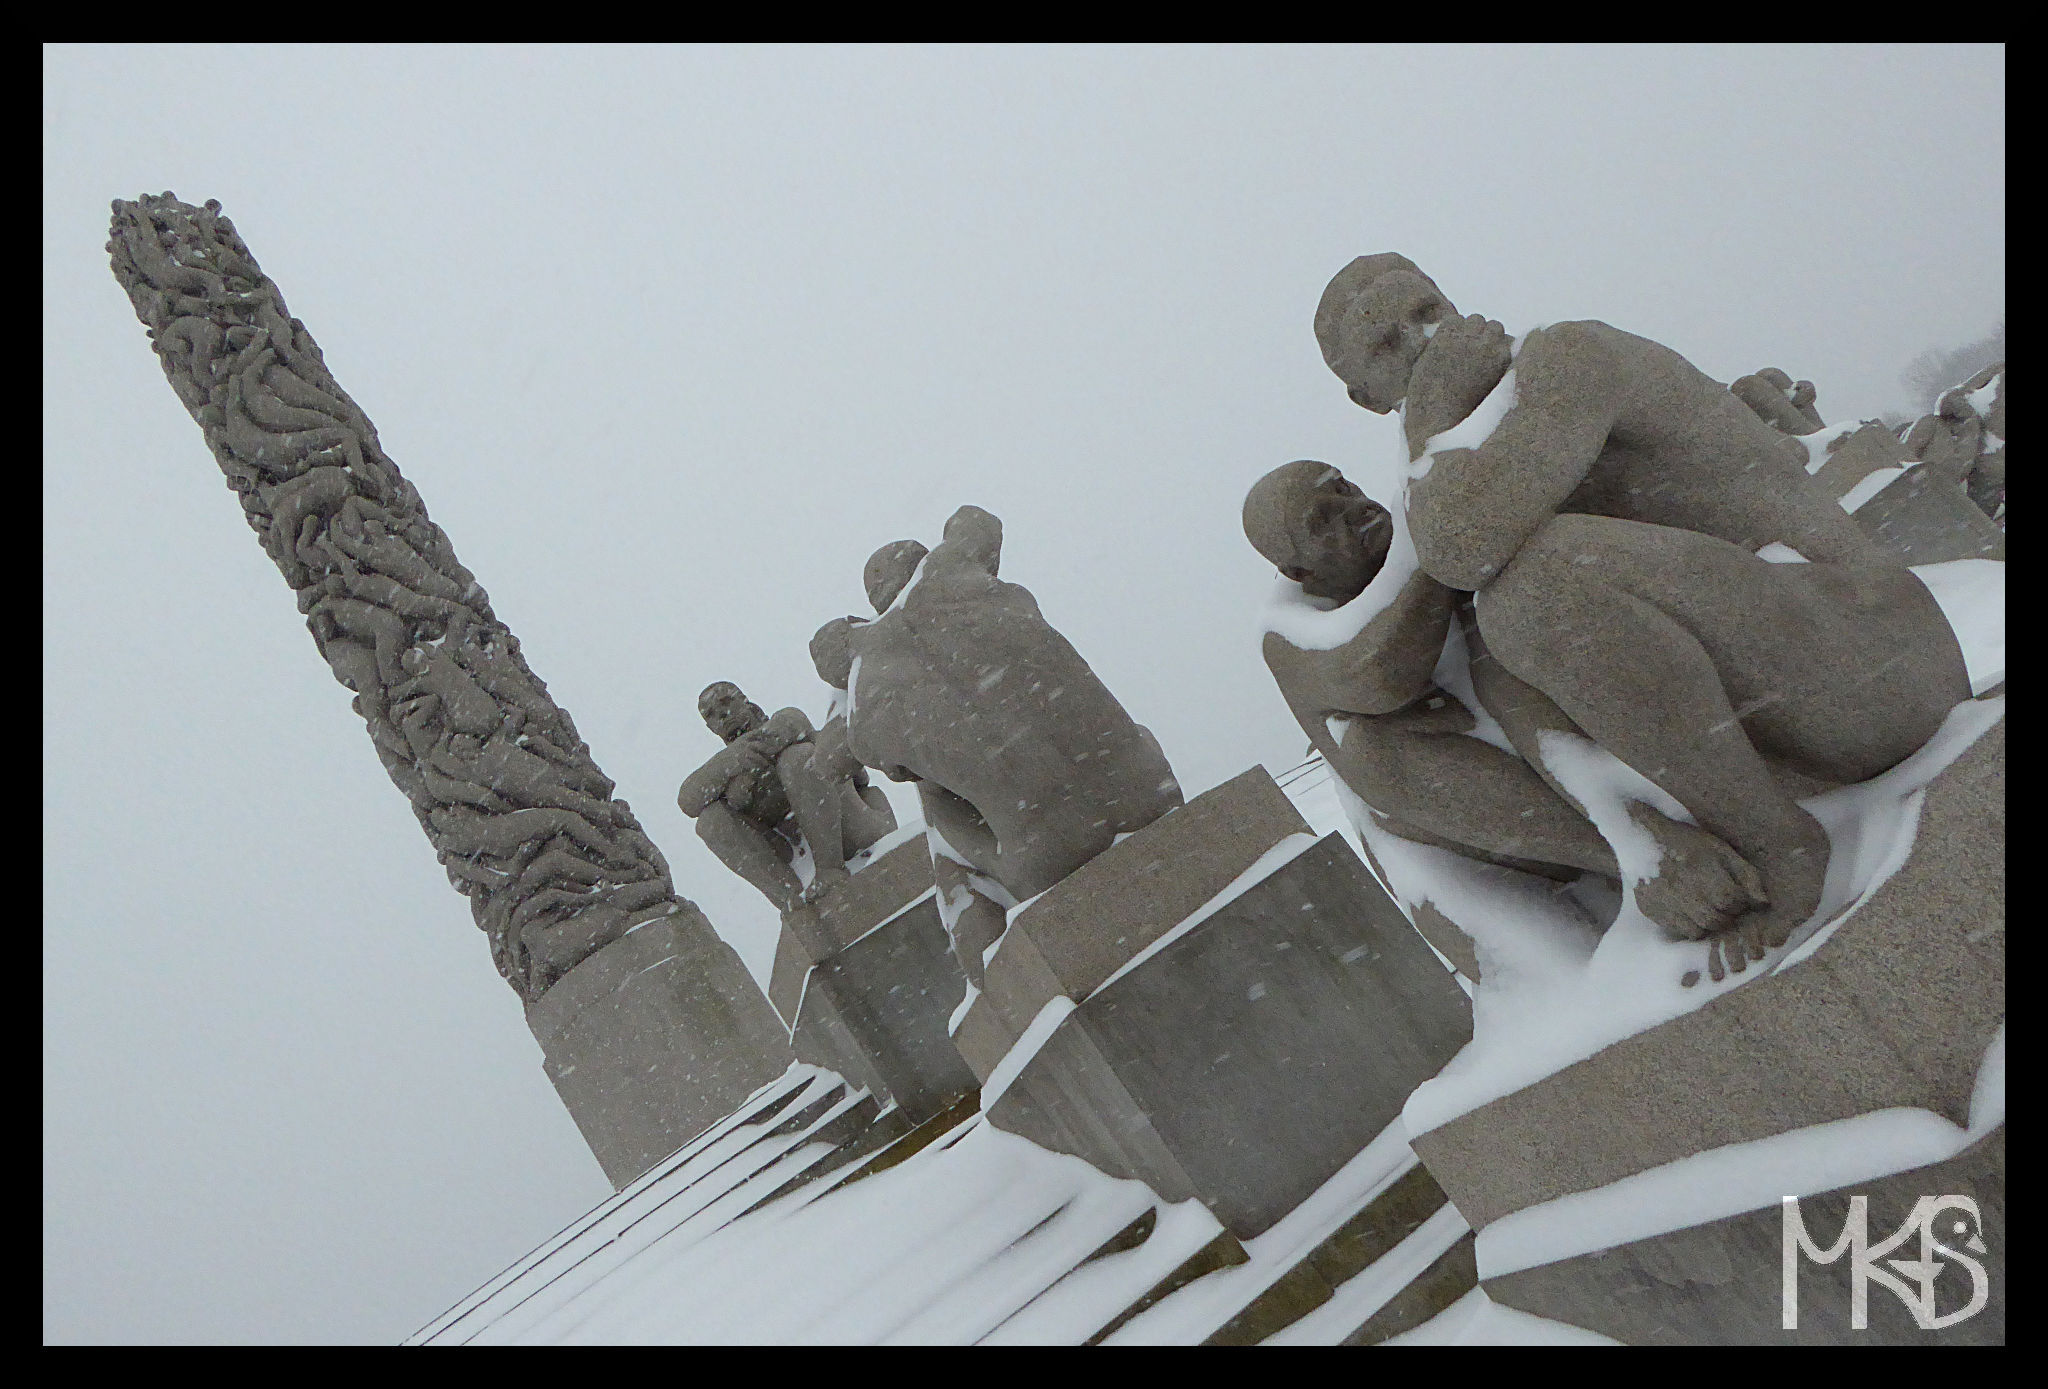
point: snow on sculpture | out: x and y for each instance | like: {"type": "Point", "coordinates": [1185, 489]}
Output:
{"type": "Point", "coordinates": [1598, 548]}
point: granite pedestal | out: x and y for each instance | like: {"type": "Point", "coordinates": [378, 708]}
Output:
{"type": "Point", "coordinates": [1925, 515]}
{"type": "Point", "coordinates": [1722, 1282]}
{"type": "Point", "coordinates": [866, 980]}
{"type": "Point", "coordinates": [1895, 1009]}
{"type": "Point", "coordinates": [655, 1038]}
{"type": "Point", "coordinates": [1240, 1057]}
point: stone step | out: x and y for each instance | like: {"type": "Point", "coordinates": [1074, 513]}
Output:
{"type": "Point", "coordinates": [1357, 1244]}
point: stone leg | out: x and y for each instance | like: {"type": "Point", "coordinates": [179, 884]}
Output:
{"type": "Point", "coordinates": [865, 816]}
{"type": "Point", "coordinates": [973, 921]}
{"type": "Point", "coordinates": [820, 817]}
{"type": "Point", "coordinates": [1683, 655]}
{"type": "Point", "coordinates": [1700, 882]}
{"type": "Point", "coordinates": [747, 850]}
{"type": "Point", "coordinates": [1463, 794]}
{"type": "Point", "coordinates": [864, 813]}
{"type": "Point", "coordinates": [962, 827]}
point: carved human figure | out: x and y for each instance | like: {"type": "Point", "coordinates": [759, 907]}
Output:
{"type": "Point", "coordinates": [971, 905]}
{"type": "Point", "coordinates": [1607, 527]}
{"type": "Point", "coordinates": [760, 798]}
{"type": "Point", "coordinates": [1371, 705]}
{"type": "Point", "coordinates": [863, 811]}
{"type": "Point", "coordinates": [1027, 765]}
{"type": "Point", "coordinates": [1964, 439]}
{"type": "Point", "coordinates": [1780, 402]}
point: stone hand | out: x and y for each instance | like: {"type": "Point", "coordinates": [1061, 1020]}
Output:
{"type": "Point", "coordinates": [1463, 362]}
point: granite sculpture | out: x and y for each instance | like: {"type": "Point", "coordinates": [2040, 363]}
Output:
{"type": "Point", "coordinates": [1953, 456]}
{"type": "Point", "coordinates": [1593, 527]}
{"type": "Point", "coordinates": [1965, 439]}
{"type": "Point", "coordinates": [650, 1027]}
{"type": "Point", "coordinates": [519, 815]}
{"type": "Point", "coordinates": [769, 797]}
{"type": "Point", "coordinates": [1027, 765]}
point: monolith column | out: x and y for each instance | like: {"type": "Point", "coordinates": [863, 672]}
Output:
{"type": "Point", "coordinates": [651, 1026]}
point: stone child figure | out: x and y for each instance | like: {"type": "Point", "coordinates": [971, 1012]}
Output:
{"type": "Point", "coordinates": [1606, 530]}
{"type": "Point", "coordinates": [762, 796]}
{"type": "Point", "coordinates": [1028, 765]}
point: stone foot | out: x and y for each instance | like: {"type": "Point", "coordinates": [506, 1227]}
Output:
{"type": "Point", "coordinates": [1794, 868]}
{"type": "Point", "coordinates": [1702, 887]}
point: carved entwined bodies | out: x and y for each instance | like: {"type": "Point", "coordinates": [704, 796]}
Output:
{"type": "Point", "coordinates": [519, 815]}
{"type": "Point", "coordinates": [1599, 548]}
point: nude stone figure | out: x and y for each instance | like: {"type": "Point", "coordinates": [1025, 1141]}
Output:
{"type": "Point", "coordinates": [766, 793]}
{"type": "Point", "coordinates": [1602, 540]}
{"type": "Point", "coordinates": [1027, 765]}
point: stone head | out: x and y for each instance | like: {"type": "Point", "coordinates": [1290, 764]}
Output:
{"type": "Point", "coordinates": [1372, 324]}
{"type": "Point", "coordinates": [1318, 529]}
{"type": "Point", "coordinates": [727, 711]}
{"type": "Point", "coordinates": [889, 569]}
{"type": "Point", "coordinates": [832, 653]}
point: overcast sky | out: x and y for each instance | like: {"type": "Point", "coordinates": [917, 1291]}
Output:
{"type": "Point", "coordinates": [669, 340]}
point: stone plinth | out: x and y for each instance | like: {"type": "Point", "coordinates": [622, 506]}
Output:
{"type": "Point", "coordinates": [1895, 1009]}
{"type": "Point", "coordinates": [1925, 515]}
{"type": "Point", "coordinates": [866, 981]}
{"type": "Point", "coordinates": [655, 1038]}
{"type": "Point", "coordinates": [1857, 456]}
{"type": "Point", "coordinates": [1066, 942]}
{"type": "Point", "coordinates": [1249, 1056]}
{"type": "Point", "coordinates": [1722, 1283]}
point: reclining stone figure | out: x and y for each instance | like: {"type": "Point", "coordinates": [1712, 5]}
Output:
{"type": "Point", "coordinates": [768, 793]}
{"type": "Point", "coordinates": [1599, 542]}
{"type": "Point", "coordinates": [1028, 766]}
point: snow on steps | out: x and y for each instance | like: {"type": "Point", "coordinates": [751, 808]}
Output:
{"type": "Point", "coordinates": [810, 1217]}
{"type": "Point", "coordinates": [784, 1134]}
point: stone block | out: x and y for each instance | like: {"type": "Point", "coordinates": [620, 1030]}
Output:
{"type": "Point", "coordinates": [983, 1038]}
{"type": "Point", "coordinates": [821, 929]}
{"type": "Point", "coordinates": [653, 1039]}
{"type": "Point", "coordinates": [1925, 515]}
{"type": "Point", "coordinates": [1135, 892]}
{"type": "Point", "coordinates": [866, 981]}
{"type": "Point", "coordinates": [880, 1007]}
{"type": "Point", "coordinates": [1068, 940]}
{"type": "Point", "coordinates": [1722, 1283]}
{"type": "Point", "coordinates": [1252, 1056]}
{"type": "Point", "coordinates": [1857, 456]}
{"type": "Point", "coordinates": [1894, 1009]}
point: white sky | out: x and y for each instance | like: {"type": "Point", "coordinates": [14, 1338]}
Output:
{"type": "Point", "coordinates": [669, 340]}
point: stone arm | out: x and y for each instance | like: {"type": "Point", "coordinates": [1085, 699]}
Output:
{"type": "Point", "coordinates": [701, 788]}
{"type": "Point", "coordinates": [752, 751]}
{"type": "Point", "coordinates": [1473, 509]}
{"type": "Point", "coordinates": [1388, 666]}
{"type": "Point", "coordinates": [833, 759]}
